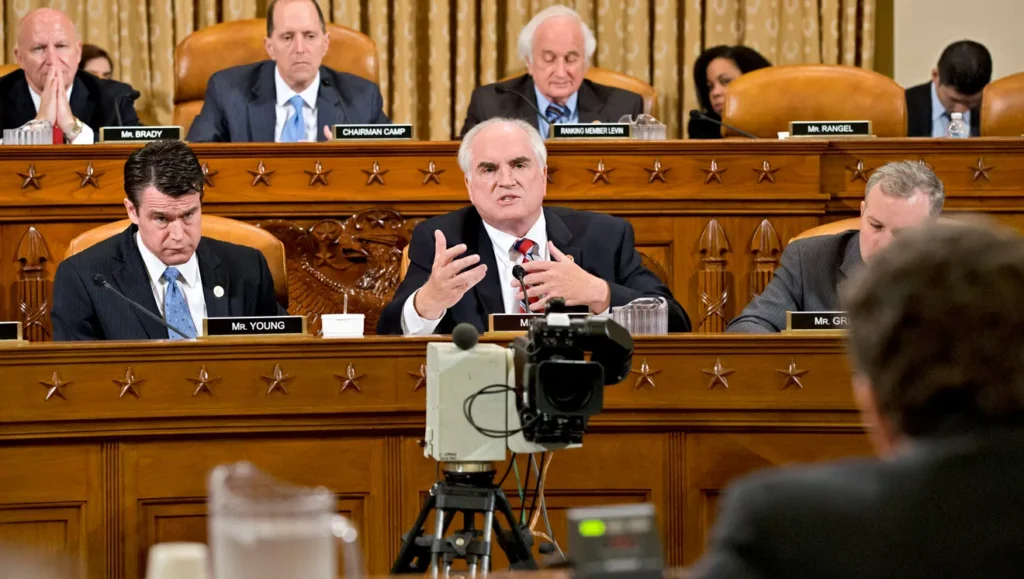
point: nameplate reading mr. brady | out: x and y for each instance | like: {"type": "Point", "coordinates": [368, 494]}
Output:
{"type": "Point", "coordinates": [363, 132]}
{"type": "Point", "coordinates": [255, 326]}
{"type": "Point", "coordinates": [138, 134]}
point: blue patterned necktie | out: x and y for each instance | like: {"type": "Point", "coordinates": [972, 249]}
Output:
{"type": "Point", "coordinates": [294, 128]}
{"type": "Point", "coordinates": [176, 307]}
{"type": "Point", "coordinates": [556, 112]}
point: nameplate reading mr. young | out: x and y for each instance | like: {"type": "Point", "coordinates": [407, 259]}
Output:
{"type": "Point", "coordinates": [591, 131]}
{"type": "Point", "coordinates": [138, 134]}
{"type": "Point", "coordinates": [830, 129]}
{"type": "Point", "coordinates": [817, 321]}
{"type": "Point", "coordinates": [364, 132]}
{"type": "Point", "coordinates": [254, 326]}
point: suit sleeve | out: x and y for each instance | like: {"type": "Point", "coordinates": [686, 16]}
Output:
{"type": "Point", "coordinates": [128, 113]}
{"type": "Point", "coordinates": [73, 314]}
{"type": "Point", "coordinates": [638, 106]}
{"type": "Point", "coordinates": [421, 260]}
{"type": "Point", "coordinates": [209, 125]}
{"type": "Point", "coordinates": [738, 547]}
{"type": "Point", "coordinates": [474, 113]}
{"type": "Point", "coordinates": [377, 104]}
{"type": "Point", "coordinates": [767, 312]}
{"type": "Point", "coordinates": [633, 280]}
{"type": "Point", "coordinates": [266, 298]}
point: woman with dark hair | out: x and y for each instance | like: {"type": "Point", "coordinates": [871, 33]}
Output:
{"type": "Point", "coordinates": [715, 68]}
{"type": "Point", "coordinates": [96, 61]}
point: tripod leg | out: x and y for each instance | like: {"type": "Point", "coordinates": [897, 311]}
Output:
{"type": "Point", "coordinates": [519, 554]}
{"type": "Point", "coordinates": [485, 560]}
{"type": "Point", "coordinates": [409, 551]}
{"type": "Point", "coordinates": [439, 527]}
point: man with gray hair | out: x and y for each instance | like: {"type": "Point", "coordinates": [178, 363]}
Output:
{"type": "Point", "coordinates": [557, 47]}
{"type": "Point", "coordinates": [898, 195]}
{"type": "Point", "coordinates": [461, 263]}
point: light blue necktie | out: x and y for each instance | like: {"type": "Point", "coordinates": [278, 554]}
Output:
{"type": "Point", "coordinates": [294, 128]}
{"type": "Point", "coordinates": [176, 307]}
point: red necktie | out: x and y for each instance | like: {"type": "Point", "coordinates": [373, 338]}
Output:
{"type": "Point", "coordinates": [58, 135]}
{"type": "Point", "coordinates": [525, 248]}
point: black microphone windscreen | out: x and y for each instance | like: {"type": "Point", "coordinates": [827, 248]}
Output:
{"type": "Point", "coordinates": [518, 272]}
{"type": "Point", "coordinates": [134, 95]}
{"type": "Point", "coordinates": [98, 279]}
{"type": "Point", "coordinates": [695, 114]}
{"type": "Point", "coordinates": [465, 336]}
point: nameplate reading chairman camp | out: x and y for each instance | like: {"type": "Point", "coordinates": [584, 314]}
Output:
{"type": "Point", "coordinates": [366, 132]}
{"type": "Point", "coordinates": [591, 131]}
{"type": "Point", "coordinates": [138, 134]}
{"type": "Point", "coordinates": [817, 321]}
{"type": "Point", "coordinates": [830, 129]}
{"type": "Point", "coordinates": [255, 326]}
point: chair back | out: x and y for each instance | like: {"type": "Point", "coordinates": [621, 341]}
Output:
{"type": "Point", "coordinates": [830, 228]}
{"type": "Point", "coordinates": [214, 227]}
{"type": "Point", "coordinates": [764, 101]}
{"type": "Point", "coordinates": [229, 44]}
{"type": "Point", "coordinates": [617, 80]}
{"type": "Point", "coordinates": [6, 69]}
{"type": "Point", "coordinates": [1002, 107]}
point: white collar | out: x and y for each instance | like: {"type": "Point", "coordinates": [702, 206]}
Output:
{"type": "Point", "coordinates": [285, 92]}
{"type": "Point", "coordinates": [189, 270]}
{"type": "Point", "coordinates": [504, 241]}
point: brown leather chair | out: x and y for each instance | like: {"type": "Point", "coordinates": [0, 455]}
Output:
{"type": "Point", "coordinates": [228, 44]}
{"type": "Point", "coordinates": [6, 69]}
{"type": "Point", "coordinates": [763, 102]}
{"type": "Point", "coordinates": [830, 228]}
{"type": "Point", "coordinates": [617, 80]}
{"type": "Point", "coordinates": [1002, 107]}
{"type": "Point", "coordinates": [219, 228]}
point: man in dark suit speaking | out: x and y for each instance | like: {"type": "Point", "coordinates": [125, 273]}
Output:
{"type": "Point", "coordinates": [556, 46]}
{"type": "Point", "coordinates": [161, 261]}
{"type": "Point", "coordinates": [935, 342]}
{"type": "Point", "coordinates": [586, 258]}
{"type": "Point", "coordinates": [49, 86]}
{"type": "Point", "coordinates": [292, 97]}
{"type": "Point", "coordinates": [898, 196]}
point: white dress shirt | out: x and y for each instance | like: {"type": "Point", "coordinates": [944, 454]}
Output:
{"type": "Point", "coordinates": [285, 111]}
{"type": "Point", "coordinates": [414, 324]}
{"type": "Point", "coordinates": [86, 137]}
{"type": "Point", "coordinates": [189, 283]}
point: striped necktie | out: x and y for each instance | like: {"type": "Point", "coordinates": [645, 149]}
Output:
{"type": "Point", "coordinates": [528, 249]}
{"type": "Point", "coordinates": [556, 112]}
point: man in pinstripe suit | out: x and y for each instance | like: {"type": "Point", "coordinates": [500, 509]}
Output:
{"type": "Point", "coordinates": [898, 195]}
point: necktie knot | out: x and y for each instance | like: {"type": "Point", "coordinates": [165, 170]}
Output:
{"type": "Point", "coordinates": [525, 248]}
{"type": "Point", "coordinates": [171, 274]}
{"type": "Point", "coordinates": [296, 102]}
{"type": "Point", "coordinates": [555, 112]}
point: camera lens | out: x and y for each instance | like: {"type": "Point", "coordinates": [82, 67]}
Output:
{"type": "Point", "coordinates": [568, 397]}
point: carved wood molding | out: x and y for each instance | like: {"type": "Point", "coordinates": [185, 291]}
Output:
{"type": "Point", "coordinates": [712, 282]}
{"type": "Point", "coordinates": [766, 248]}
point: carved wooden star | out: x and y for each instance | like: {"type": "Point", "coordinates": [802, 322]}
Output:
{"type": "Point", "coordinates": [421, 377]}
{"type": "Point", "coordinates": [277, 380]}
{"type": "Point", "coordinates": [718, 373]}
{"type": "Point", "coordinates": [375, 174]}
{"type": "Point", "coordinates": [431, 173]}
{"type": "Point", "coordinates": [600, 174]}
{"type": "Point", "coordinates": [792, 375]}
{"type": "Point", "coordinates": [30, 178]}
{"type": "Point", "coordinates": [90, 177]}
{"type": "Point", "coordinates": [657, 173]}
{"type": "Point", "coordinates": [765, 173]}
{"type": "Point", "coordinates": [54, 386]}
{"type": "Point", "coordinates": [980, 170]}
{"type": "Point", "coordinates": [128, 384]}
{"type": "Point", "coordinates": [646, 377]}
{"type": "Point", "coordinates": [318, 175]}
{"type": "Point", "coordinates": [260, 175]}
{"type": "Point", "coordinates": [713, 173]}
{"type": "Point", "coordinates": [208, 175]}
{"type": "Point", "coordinates": [203, 382]}
{"type": "Point", "coordinates": [551, 174]}
{"type": "Point", "coordinates": [860, 172]}
{"type": "Point", "coordinates": [349, 380]}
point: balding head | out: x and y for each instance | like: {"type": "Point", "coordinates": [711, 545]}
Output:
{"type": "Point", "coordinates": [47, 40]}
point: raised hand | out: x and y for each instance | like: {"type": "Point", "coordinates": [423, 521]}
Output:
{"type": "Point", "coordinates": [448, 281]}
{"type": "Point", "coordinates": [562, 278]}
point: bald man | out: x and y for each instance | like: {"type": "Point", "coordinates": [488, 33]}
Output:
{"type": "Point", "coordinates": [49, 86]}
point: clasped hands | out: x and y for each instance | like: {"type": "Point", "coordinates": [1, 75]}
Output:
{"type": "Point", "coordinates": [54, 106]}
{"type": "Point", "coordinates": [451, 278]}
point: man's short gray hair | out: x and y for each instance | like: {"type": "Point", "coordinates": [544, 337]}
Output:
{"type": "Point", "coordinates": [540, 152]}
{"type": "Point", "coordinates": [903, 179]}
{"type": "Point", "coordinates": [525, 45]}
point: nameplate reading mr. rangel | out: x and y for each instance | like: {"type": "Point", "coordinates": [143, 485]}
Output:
{"type": "Point", "coordinates": [138, 134]}
{"type": "Point", "coordinates": [591, 131]}
{"type": "Point", "coordinates": [364, 132]}
{"type": "Point", "coordinates": [817, 321]}
{"type": "Point", "coordinates": [255, 326]}
{"type": "Point", "coordinates": [830, 129]}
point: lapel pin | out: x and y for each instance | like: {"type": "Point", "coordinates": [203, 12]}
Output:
{"type": "Point", "coordinates": [218, 291]}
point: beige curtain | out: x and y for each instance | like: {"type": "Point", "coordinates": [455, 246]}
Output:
{"type": "Point", "coordinates": [434, 52]}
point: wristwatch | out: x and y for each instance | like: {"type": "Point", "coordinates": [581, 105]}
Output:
{"type": "Point", "coordinates": [76, 130]}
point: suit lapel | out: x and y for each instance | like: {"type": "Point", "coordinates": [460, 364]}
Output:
{"type": "Point", "coordinates": [589, 105]}
{"type": "Point", "coordinates": [852, 259]}
{"type": "Point", "coordinates": [213, 276]}
{"type": "Point", "coordinates": [20, 107]}
{"type": "Point", "coordinates": [81, 102]}
{"type": "Point", "coordinates": [488, 291]}
{"type": "Point", "coordinates": [330, 110]}
{"type": "Point", "coordinates": [132, 279]}
{"type": "Point", "coordinates": [260, 108]}
{"type": "Point", "coordinates": [560, 235]}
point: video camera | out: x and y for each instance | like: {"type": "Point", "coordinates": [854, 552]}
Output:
{"type": "Point", "coordinates": [534, 396]}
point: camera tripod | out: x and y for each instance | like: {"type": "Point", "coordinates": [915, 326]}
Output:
{"type": "Point", "coordinates": [468, 489]}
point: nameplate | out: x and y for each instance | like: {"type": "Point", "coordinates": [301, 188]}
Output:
{"type": "Point", "coordinates": [817, 321]}
{"type": "Point", "coordinates": [517, 322]}
{"type": "Point", "coordinates": [591, 131]}
{"type": "Point", "coordinates": [364, 132]}
{"type": "Point", "coordinates": [830, 129]}
{"type": "Point", "coordinates": [138, 134]}
{"type": "Point", "coordinates": [254, 326]}
{"type": "Point", "coordinates": [10, 330]}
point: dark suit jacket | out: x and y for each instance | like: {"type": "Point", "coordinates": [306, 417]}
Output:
{"type": "Point", "coordinates": [948, 507]}
{"type": "Point", "coordinates": [239, 104]}
{"type": "Point", "coordinates": [83, 310]}
{"type": "Point", "coordinates": [596, 102]}
{"type": "Point", "coordinates": [92, 101]}
{"type": "Point", "coordinates": [704, 129]}
{"type": "Point", "coordinates": [919, 112]}
{"type": "Point", "coordinates": [599, 243]}
{"type": "Point", "coordinates": [807, 280]}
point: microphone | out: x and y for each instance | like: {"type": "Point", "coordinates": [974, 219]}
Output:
{"type": "Point", "coordinates": [117, 104]}
{"type": "Point", "coordinates": [697, 115]}
{"type": "Point", "coordinates": [326, 82]}
{"type": "Point", "coordinates": [465, 336]}
{"type": "Point", "coordinates": [504, 90]}
{"type": "Point", "coordinates": [519, 273]}
{"type": "Point", "coordinates": [99, 280]}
